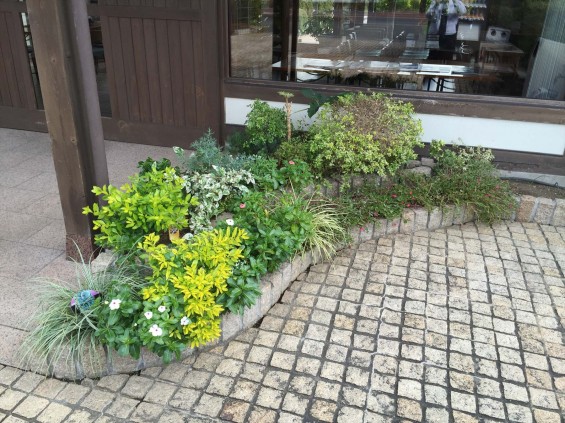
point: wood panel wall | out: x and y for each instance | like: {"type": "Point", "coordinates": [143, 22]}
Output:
{"type": "Point", "coordinates": [16, 85]}
{"type": "Point", "coordinates": [154, 52]}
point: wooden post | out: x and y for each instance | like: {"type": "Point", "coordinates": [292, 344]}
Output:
{"type": "Point", "coordinates": [65, 64]}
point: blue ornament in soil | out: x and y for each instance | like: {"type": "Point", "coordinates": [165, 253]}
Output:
{"type": "Point", "coordinates": [83, 300]}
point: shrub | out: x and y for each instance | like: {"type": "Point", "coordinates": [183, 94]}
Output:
{"type": "Point", "coordinates": [178, 306]}
{"type": "Point", "coordinates": [364, 134]}
{"type": "Point", "coordinates": [208, 155]}
{"type": "Point", "coordinates": [212, 190]}
{"type": "Point", "coordinates": [328, 229]}
{"type": "Point", "coordinates": [186, 281]}
{"type": "Point", "coordinates": [298, 148]}
{"type": "Point", "coordinates": [269, 176]}
{"type": "Point", "coordinates": [462, 176]}
{"type": "Point", "coordinates": [277, 226]}
{"type": "Point", "coordinates": [265, 129]}
{"type": "Point", "coordinates": [467, 175]}
{"type": "Point", "coordinates": [153, 202]}
{"type": "Point", "coordinates": [64, 334]}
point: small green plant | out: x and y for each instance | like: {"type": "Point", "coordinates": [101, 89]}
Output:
{"type": "Point", "coordinates": [181, 303]}
{"type": "Point", "coordinates": [243, 286]}
{"type": "Point", "coordinates": [328, 229]}
{"type": "Point", "coordinates": [269, 176]}
{"type": "Point", "coordinates": [152, 202]}
{"type": "Point", "coordinates": [298, 148]}
{"type": "Point", "coordinates": [265, 129]}
{"type": "Point", "coordinates": [364, 134]}
{"type": "Point", "coordinates": [467, 175]}
{"type": "Point", "coordinates": [277, 226]}
{"type": "Point", "coordinates": [208, 155]}
{"type": "Point", "coordinates": [63, 329]}
{"type": "Point", "coordinates": [213, 190]}
{"type": "Point", "coordinates": [148, 164]}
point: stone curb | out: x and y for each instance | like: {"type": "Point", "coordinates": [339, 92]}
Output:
{"type": "Point", "coordinates": [273, 285]}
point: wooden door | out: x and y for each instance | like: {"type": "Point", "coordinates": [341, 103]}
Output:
{"type": "Point", "coordinates": [162, 61]}
{"type": "Point", "coordinates": [16, 86]}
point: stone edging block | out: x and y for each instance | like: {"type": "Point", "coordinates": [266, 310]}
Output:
{"type": "Point", "coordinates": [273, 285]}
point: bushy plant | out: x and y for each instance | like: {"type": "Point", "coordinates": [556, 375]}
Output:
{"type": "Point", "coordinates": [269, 176]}
{"type": "Point", "coordinates": [63, 328]}
{"type": "Point", "coordinates": [297, 148]}
{"type": "Point", "coordinates": [152, 202]}
{"type": "Point", "coordinates": [265, 129]}
{"type": "Point", "coordinates": [277, 226]}
{"type": "Point", "coordinates": [328, 229]}
{"type": "Point", "coordinates": [207, 155]}
{"type": "Point", "coordinates": [364, 134]}
{"type": "Point", "coordinates": [187, 280]}
{"type": "Point", "coordinates": [243, 286]}
{"type": "Point", "coordinates": [179, 305]}
{"type": "Point", "coordinates": [148, 164]}
{"type": "Point", "coordinates": [463, 176]}
{"type": "Point", "coordinates": [212, 190]}
{"type": "Point", "coordinates": [467, 175]}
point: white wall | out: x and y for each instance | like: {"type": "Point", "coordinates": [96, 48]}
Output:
{"type": "Point", "coordinates": [530, 137]}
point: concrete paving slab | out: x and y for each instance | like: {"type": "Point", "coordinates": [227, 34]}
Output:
{"type": "Point", "coordinates": [49, 236]}
{"type": "Point", "coordinates": [48, 206]}
{"type": "Point", "coordinates": [17, 199]}
{"type": "Point", "coordinates": [11, 338]}
{"type": "Point", "coordinates": [18, 302]}
{"type": "Point", "coordinates": [19, 226]}
{"type": "Point", "coordinates": [44, 182]}
{"type": "Point", "coordinates": [21, 261]}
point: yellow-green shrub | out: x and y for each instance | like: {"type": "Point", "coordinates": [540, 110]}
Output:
{"type": "Point", "coordinates": [187, 278]}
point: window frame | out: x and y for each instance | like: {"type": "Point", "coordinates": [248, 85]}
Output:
{"type": "Point", "coordinates": [426, 102]}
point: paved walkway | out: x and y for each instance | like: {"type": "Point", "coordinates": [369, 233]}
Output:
{"type": "Point", "coordinates": [463, 324]}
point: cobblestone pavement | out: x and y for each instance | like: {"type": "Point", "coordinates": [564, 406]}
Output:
{"type": "Point", "coordinates": [462, 324]}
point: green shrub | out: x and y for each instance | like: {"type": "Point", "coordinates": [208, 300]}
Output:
{"type": "Point", "coordinates": [269, 176]}
{"type": "Point", "coordinates": [265, 129]}
{"type": "Point", "coordinates": [153, 202]}
{"type": "Point", "coordinates": [328, 230]}
{"type": "Point", "coordinates": [277, 226]}
{"type": "Point", "coordinates": [208, 155]}
{"type": "Point", "coordinates": [179, 305]}
{"type": "Point", "coordinates": [364, 134]}
{"type": "Point", "coordinates": [298, 148]}
{"type": "Point", "coordinates": [467, 175]}
{"type": "Point", "coordinates": [213, 190]}
{"type": "Point", "coordinates": [64, 334]}
{"type": "Point", "coordinates": [462, 176]}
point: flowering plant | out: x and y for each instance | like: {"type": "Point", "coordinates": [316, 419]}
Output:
{"type": "Point", "coordinates": [212, 189]}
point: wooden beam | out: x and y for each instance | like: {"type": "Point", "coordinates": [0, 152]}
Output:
{"type": "Point", "coordinates": [66, 72]}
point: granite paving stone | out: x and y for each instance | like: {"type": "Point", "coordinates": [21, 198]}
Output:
{"type": "Point", "coordinates": [460, 324]}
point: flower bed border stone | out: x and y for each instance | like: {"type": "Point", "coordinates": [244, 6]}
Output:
{"type": "Point", "coordinates": [273, 285]}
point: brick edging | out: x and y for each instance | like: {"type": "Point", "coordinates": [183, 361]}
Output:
{"type": "Point", "coordinates": [273, 285]}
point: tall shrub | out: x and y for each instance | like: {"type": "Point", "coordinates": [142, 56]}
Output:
{"type": "Point", "coordinates": [364, 134]}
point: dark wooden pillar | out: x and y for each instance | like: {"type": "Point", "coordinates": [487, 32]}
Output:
{"type": "Point", "coordinates": [65, 64]}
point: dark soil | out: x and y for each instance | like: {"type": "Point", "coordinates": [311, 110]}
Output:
{"type": "Point", "coordinates": [537, 190]}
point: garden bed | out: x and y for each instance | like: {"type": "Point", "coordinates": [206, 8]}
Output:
{"type": "Point", "coordinates": [205, 248]}
{"type": "Point", "coordinates": [531, 209]}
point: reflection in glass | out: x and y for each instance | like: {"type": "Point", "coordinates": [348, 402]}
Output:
{"type": "Point", "coordinates": [492, 47]}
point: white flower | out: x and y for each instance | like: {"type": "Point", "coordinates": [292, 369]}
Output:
{"type": "Point", "coordinates": [187, 236]}
{"type": "Point", "coordinates": [156, 330]}
{"type": "Point", "coordinates": [162, 309]}
{"type": "Point", "coordinates": [115, 304]}
{"type": "Point", "coordinates": [148, 315]}
{"type": "Point", "coordinates": [229, 222]}
{"type": "Point", "coordinates": [184, 321]}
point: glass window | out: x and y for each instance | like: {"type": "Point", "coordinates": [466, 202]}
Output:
{"type": "Point", "coordinates": [488, 47]}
